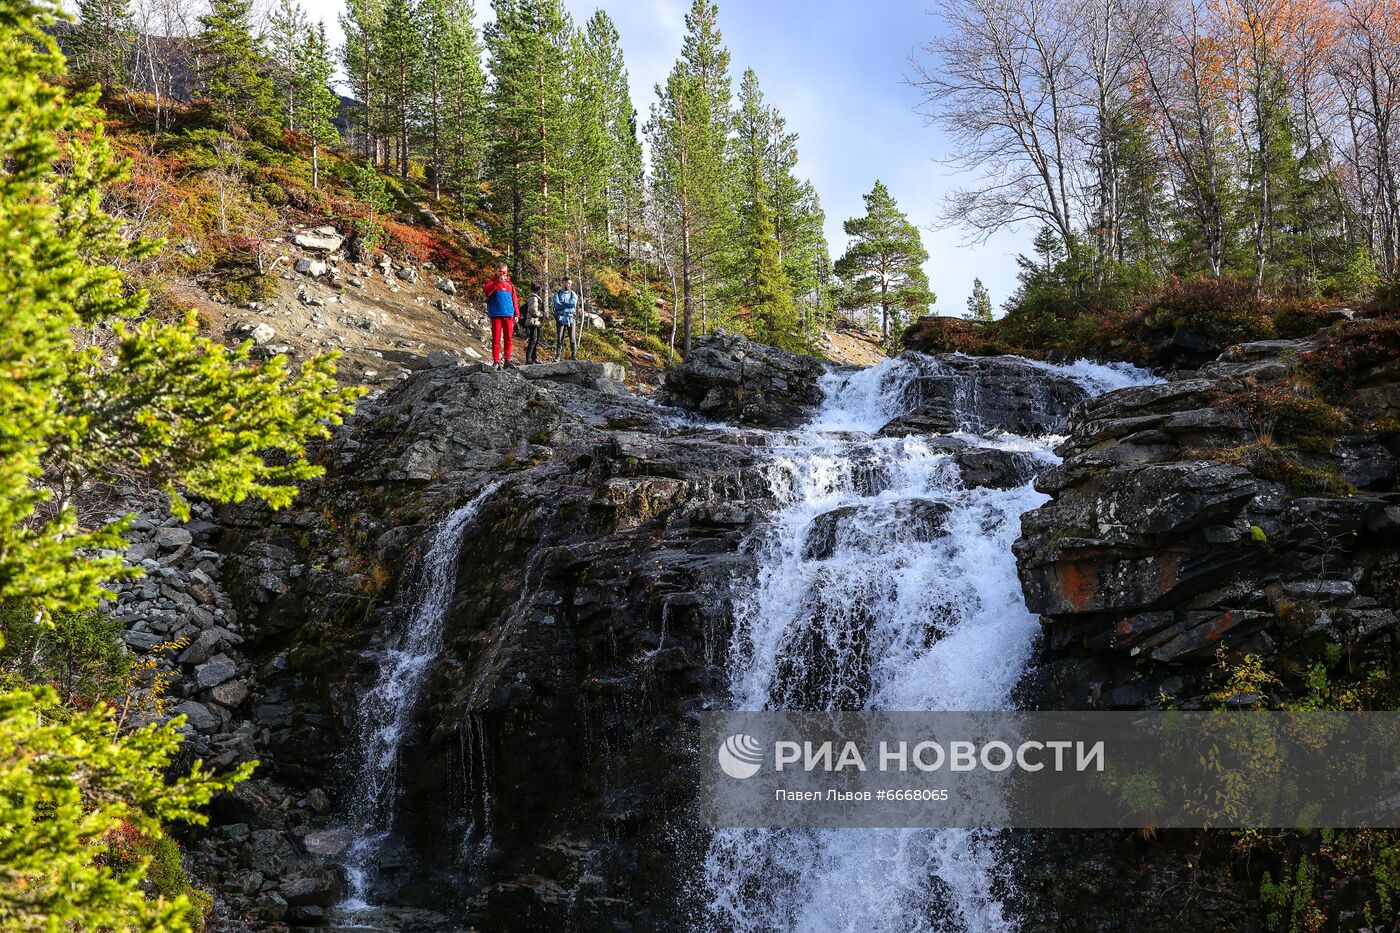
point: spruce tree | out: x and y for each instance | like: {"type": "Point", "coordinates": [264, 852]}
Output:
{"type": "Point", "coordinates": [232, 70]}
{"type": "Point", "coordinates": [979, 303]}
{"type": "Point", "coordinates": [90, 390]}
{"type": "Point", "coordinates": [883, 264]}
{"type": "Point", "coordinates": [319, 104]}
{"type": "Point", "coordinates": [759, 281]}
{"type": "Point", "coordinates": [618, 180]}
{"type": "Point", "coordinates": [102, 42]}
{"type": "Point", "coordinates": [288, 30]}
{"type": "Point", "coordinates": [363, 25]}
{"type": "Point", "coordinates": [463, 104]}
{"type": "Point", "coordinates": [400, 63]}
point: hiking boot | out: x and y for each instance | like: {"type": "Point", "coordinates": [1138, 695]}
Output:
{"type": "Point", "coordinates": [509, 365]}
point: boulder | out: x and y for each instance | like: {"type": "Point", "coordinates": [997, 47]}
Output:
{"type": "Point", "coordinates": [322, 239]}
{"type": "Point", "coordinates": [311, 267]}
{"type": "Point", "coordinates": [446, 286]}
{"type": "Point", "coordinates": [230, 693]}
{"type": "Point", "coordinates": [271, 906]}
{"type": "Point", "coordinates": [205, 644]}
{"type": "Point", "coordinates": [259, 332]}
{"type": "Point", "coordinates": [173, 537]}
{"type": "Point", "coordinates": [215, 671]}
{"type": "Point", "coordinates": [319, 890]}
{"type": "Point", "coordinates": [440, 359]}
{"type": "Point", "coordinates": [731, 378]}
{"type": "Point", "coordinates": [408, 274]}
{"type": "Point", "coordinates": [198, 717]}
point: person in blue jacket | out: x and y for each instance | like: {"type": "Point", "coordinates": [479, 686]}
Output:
{"type": "Point", "coordinates": [565, 305]}
{"type": "Point", "coordinates": [502, 307]}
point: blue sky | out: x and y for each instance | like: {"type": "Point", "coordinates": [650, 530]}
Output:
{"type": "Point", "coordinates": [835, 69]}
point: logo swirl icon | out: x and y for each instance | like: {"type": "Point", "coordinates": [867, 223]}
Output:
{"type": "Point", "coordinates": [740, 756]}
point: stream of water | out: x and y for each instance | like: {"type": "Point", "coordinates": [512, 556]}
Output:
{"type": "Point", "coordinates": [386, 709]}
{"type": "Point", "coordinates": [884, 584]}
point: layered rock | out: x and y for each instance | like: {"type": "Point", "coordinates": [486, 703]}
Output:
{"type": "Point", "coordinates": [1155, 556]}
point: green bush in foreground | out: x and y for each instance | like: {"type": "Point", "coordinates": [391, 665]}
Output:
{"type": "Point", "coordinates": [93, 390]}
{"type": "Point", "coordinates": [68, 784]}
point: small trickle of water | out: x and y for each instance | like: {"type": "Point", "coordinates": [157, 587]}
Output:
{"type": "Point", "coordinates": [386, 709]}
{"type": "Point", "coordinates": [884, 583]}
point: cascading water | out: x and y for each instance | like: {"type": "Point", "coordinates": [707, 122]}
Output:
{"type": "Point", "coordinates": [386, 709]}
{"type": "Point", "coordinates": [884, 584]}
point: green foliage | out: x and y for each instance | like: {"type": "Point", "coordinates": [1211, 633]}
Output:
{"type": "Point", "coordinates": [1271, 460]}
{"type": "Point", "coordinates": [605, 347]}
{"type": "Point", "coordinates": [760, 282]}
{"type": "Point", "coordinates": [101, 42]}
{"type": "Point", "coordinates": [1288, 903]}
{"type": "Point", "coordinates": [979, 303]}
{"type": "Point", "coordinates": [529, 44]}
{"type": "Point", "coordinates": [201, 418]}
{"type": "Point", "coordinates": [369, 187]}
{"type": "Point", "coordinates": [882, 269]}
{"type": "Point", "coordinates": [232, 71]}
{"type": "Point", "coordinates": [68, 782]}
{"type": "Point", "coordinates": [689, 141]}
{"type": "Point", "coordinates": [1282, 411]}
{"type": "Point", "coordinates": [80, 654]}
{"type": "Point", "coordinates": [55, 283]}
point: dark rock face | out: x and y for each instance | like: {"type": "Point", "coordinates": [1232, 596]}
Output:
{"type": "Point", "coordinates": [1152, 563]}
{"type": "Point", "coordinates": [730, 378]}
{"type": "Point", "coordinates": [1156, 557]}
{"type": "Point", "coordinates": [547, 765]}
{"type": "Point", "coordinates": [993, 393]}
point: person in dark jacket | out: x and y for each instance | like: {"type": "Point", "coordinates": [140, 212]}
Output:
{"type": "Point", "coordinates": [503, 307]}
{"type": "Point", "coordinates": [565, 304]}
{"type": "Point", "coordinates": [534, 323]}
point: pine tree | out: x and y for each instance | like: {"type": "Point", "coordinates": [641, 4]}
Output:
{"type": "Point", "coordinates": [320, 105]}
{"type": "Point", "coordinates": [232, 70]}
{"type": "Point", "coordinates": [102, 43]}
{"type": "Point", "coordinates": [288, 30]}
{"type": "Point", "coordinates": [363, 25]}
{"type": "Point", "coordinates": [979, 303]}
{"type": "Point", "coordinates": [688, 138]}
{"type": "Point", "coordinates": [617, 184]}
{"type": "Point", "coordinates": [530, 44]}
{"type": "Point", "coordinates": [883, 264]}
{"type": "Point", "coordinates": [463, 103]}
{"type": "Point", "coordinates": [400, 63]}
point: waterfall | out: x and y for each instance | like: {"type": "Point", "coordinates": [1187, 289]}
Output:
{"type": "Point", "coordinates": [387, 707]}
{"type": "Point", "coordinates": [884, 583]}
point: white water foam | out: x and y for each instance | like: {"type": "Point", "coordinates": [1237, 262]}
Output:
{"type": "Point", "coordinates": [386, 709]}
{"type": "Point", "coordinates": [883, 584]}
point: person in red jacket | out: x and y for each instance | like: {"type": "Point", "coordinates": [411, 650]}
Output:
{"type": "Point", "coordinates": [503, 307]}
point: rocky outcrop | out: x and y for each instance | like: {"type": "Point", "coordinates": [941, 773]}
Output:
{"type": "Point", "coordinates": [592, 596]}
{"type": "Point", "coordinates": [730, 378]}
{"type": "Point", "coordinates": [1156, 557]}
{"type": "Point", "coordinates": [995, 393]}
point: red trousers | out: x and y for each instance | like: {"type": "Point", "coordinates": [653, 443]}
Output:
{"type": "Point", "coordinates": [501, 329]}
